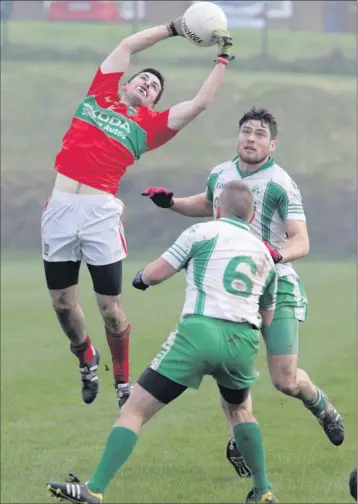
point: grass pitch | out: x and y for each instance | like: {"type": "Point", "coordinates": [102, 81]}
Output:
{"type": "Point", "coordinates": [47, 431]}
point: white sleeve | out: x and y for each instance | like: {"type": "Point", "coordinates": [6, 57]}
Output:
{"type": "Point", "coordinates": [290, 204]}
{"type": "Point", "coordinates": [179, 254]}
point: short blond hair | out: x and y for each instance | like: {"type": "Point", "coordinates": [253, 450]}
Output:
{"type": "Point", "coordinates": [236, 199]}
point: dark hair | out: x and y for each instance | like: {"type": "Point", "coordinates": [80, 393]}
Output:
{"type": "Point", "coordinates": [157, 74]}
{"type": "Point", "coordinates": [262, 115]}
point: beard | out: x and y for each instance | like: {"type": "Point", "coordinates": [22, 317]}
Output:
{"type": "Point", "coordinates": [252, 160]}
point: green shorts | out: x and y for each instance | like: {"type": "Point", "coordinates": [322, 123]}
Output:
{"type": "Point", "coordinates": [281, 337]}
{"type": "Point", "coordinates": [204, 346]}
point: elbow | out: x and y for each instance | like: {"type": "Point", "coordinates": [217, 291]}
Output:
{"type": "Point", "coordinates": [201, 107]}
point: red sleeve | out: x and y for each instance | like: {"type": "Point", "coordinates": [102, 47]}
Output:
{"type": "Point", "coordinates": [158, 132]}
{"type": "Point", "coordinates": [105, 84]}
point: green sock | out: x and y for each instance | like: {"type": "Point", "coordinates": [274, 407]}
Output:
{"type": "Point", "coordinates": [249, 441]}
{"type": "Point", "coordinates": [120, 444]}
{"type": "Point", "coordinates": [319, 405]}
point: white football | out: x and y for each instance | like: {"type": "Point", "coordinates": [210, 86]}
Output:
{"type": "Point", "coordinates": [200, 21]}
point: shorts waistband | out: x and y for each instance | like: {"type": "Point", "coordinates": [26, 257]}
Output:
{"type": "Point", "coordinates": [243, 324]}
{"type": "Point", "coordinates": [82, 198]}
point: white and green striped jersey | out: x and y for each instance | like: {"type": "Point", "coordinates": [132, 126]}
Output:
{"type": "Point", "coordinates": [229, 272]}
{"type": "Point", "coordinates": [277, 199]}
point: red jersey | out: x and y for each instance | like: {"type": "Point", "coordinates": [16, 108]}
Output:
{"type": "Point", "coordinates": [106, 136]}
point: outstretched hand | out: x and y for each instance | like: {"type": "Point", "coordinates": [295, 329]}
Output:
{"type": "Point", "coordinates": [138, 283]}
{"type": "Point", "coordinates": [160, 196]}
{"type": "Point", "coordinates": [225, 44]}
{"type": "Point", "coordinates": [175, 27]}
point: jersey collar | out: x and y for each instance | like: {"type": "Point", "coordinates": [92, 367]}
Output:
{"type": "Point", "coordinates": [235, 221]}
{"type": "Point", "coordinates": [270, 162]}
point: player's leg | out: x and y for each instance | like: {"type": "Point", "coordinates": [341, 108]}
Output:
{"type": "Point", "coordinates": [107, 285]}
{"type": "Point", "coordinates": [233, 454]}
{"type": "Point", "coordinates": [62, 282]}
{"type": "Point", "coordinates": [238, 411]}
{"type": "Point", "coordinates": [151, 393]}
{"type": "Point", "coordinates": [235, 374]}
{"type": "Point", "coordinates": [281, 339]}
{"type": "Point", "coordinates": [103, 249]}
{"type": "Point", "coordinates": [61, 255]}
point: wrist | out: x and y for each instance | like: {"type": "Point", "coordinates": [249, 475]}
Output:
{"type": "Point", "coordinates": [172, 31]}
{"type": "Point", "coordinates": [145, 279]}
{"type": "Point", "coordinates": [280, 258]}
{"type": "Point", "coordinates": [223, 61]}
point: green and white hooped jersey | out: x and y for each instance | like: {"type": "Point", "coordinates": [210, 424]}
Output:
{"type": "Point", "coordinates": [277, 199]}
{"type": "Point", "coordinates": [229, 272]}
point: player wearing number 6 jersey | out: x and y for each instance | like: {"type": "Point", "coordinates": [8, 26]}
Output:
{"type": "Point", "coordinates": [279, 222]}
{"type": "Point", "coordinates": [231, 286]}
{"type": "Point", "coordinates": [83, 220]}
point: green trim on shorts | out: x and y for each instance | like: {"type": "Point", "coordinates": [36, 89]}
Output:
{"type": "Point", "coordinates": [281, 337]}
{"type": "Point", "coordinates": [205, 346]}
{"type": "Point", "coordinates": [290, 293]}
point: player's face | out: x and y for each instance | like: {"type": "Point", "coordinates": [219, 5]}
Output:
{"type": "Point", "coordinates": [254, 142]}
{"type": "Point", "coordinates": [142, 90]}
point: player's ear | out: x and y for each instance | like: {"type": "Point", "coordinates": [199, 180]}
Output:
{"type": "Point", "coordinates": [125, 86]}
{"type": "Point", "coordinates": [272, 146]}
{"type": "Point", "coordinates": [218, 212]}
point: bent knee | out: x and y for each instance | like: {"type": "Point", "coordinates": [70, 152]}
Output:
{"type": "Point", "coordinates": [286, 384]}
{"type": "Point", "coordinates": [63, 301]}
{"type": "Point", "coordinates": [239, 413]}
{"type": "Point", "coordinates": [283, 370]}
{"type": "Point", "coordinates": [242, 415]}
{"type": "Point", "coordinates": [112, 312]}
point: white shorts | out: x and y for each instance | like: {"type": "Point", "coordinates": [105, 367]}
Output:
{"type": "Point", "coordinates": [76, 227]}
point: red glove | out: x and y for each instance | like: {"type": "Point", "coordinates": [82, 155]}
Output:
{"type": "Point", "coordinates": [275, 254]}
{"type": "Point", "coordinates": [160, 196]}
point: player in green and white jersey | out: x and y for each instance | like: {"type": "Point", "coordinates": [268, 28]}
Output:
{"type": "Point", "coordinates": [231, 285]}
{"type": "Point", "coordinates": [280, 222]}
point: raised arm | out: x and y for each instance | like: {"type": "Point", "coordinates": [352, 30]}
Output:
{"type": "Point", "coordinates": [183, 113]}
{"type": "Point", "coordinates": [119, 58]}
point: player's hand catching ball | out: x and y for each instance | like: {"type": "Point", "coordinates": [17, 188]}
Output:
{"type": "Point", "coordinates": [138, 283]}
{"type": "Point", "coordinates": [224, 41]}
{"type": "Point", "coordinates": [175, 28]}
{"type": "Point", "coordinates": [275, 254]}
{"type": "Point", "coordinates": [160, 196]}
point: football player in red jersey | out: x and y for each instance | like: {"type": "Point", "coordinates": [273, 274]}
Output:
{"type": "Point", "coordinates": [82, 220]}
